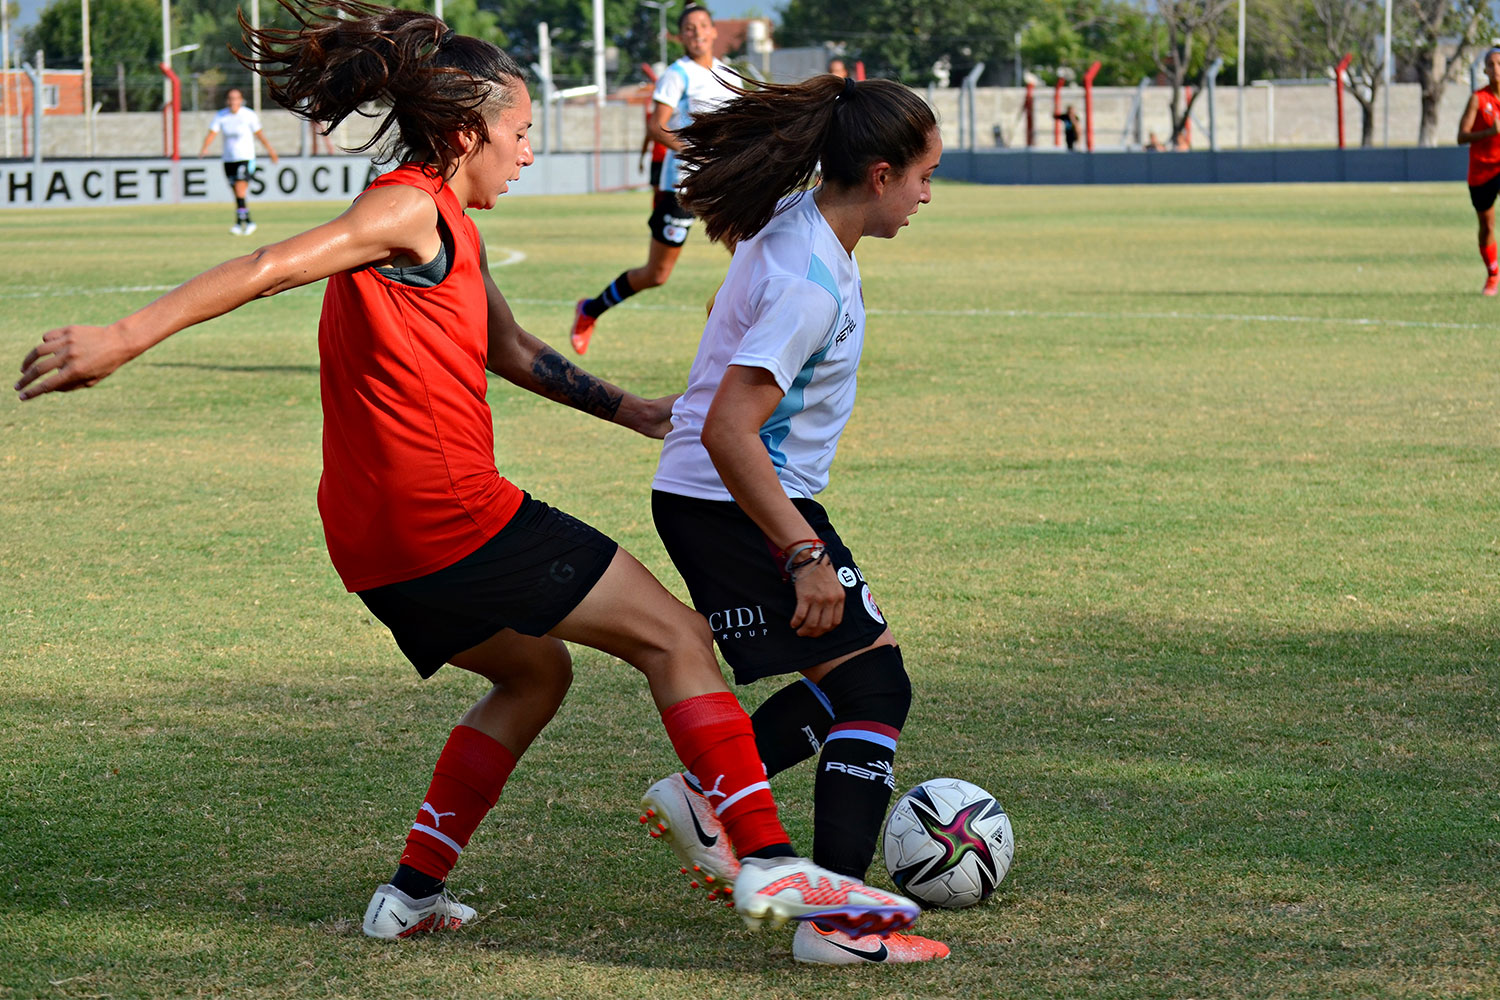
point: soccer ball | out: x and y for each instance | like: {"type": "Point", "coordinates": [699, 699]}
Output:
{"type": "Point", "coordinates": [948, 843]}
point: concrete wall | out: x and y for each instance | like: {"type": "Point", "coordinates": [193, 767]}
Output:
{"type": "Point", "coordinates": [1285, 115]}
{"type": "Point", "coordinates": [1280, 116]}
{"type": "Point", "coordinates": [1444, 163]}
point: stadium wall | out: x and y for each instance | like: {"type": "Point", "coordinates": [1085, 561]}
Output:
{"type": "Point", "coordinates": [1287, 114]}
{"type": "Point", "coordinates": [1251, 166]}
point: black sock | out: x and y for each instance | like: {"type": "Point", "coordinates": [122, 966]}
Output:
{"type": "Point", "coordinates": [791, 725]}
{"type": "Point", "coordinates": [616, 292]}
{"type": "Point", "coordinates": [417, 885]}
{"type": "Point", "coordinates": [871, 695]}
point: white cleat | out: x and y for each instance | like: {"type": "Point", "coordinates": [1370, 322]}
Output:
{"type": "Point", "coordinates": [247, 228]}
{"type": "Point", "coordinates": [393, 914]}
{"type": "Point", "coordinates": [236, 230]}
{"type": "Point", "coordinates": [781, 889]}
{"type": "Point", "coordinates": [816, 945]}
{"type": "Point", "coordinates": [674, 812]}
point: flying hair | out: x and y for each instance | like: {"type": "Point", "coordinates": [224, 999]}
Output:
{"type": "Point", "coordinates": [746, 155]}
{"type": "Point", "coordinates": [343, 55]}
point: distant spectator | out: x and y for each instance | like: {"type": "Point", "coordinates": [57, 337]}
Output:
{"type": "Point", "coordinates": [1182, 142]}
{"type": "Point", "coordinates": [1069, 119]}
{"type": "Point", "coordinates": [837, 67]}
{"type": "Point", "coordinates": [1154, 143]}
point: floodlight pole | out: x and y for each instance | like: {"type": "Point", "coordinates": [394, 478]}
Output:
{"type": "Point", "coordinates": [661, 22]}
{"type": "Point", "coordinates": [1386, 71]}
{"type": "Point", "coordinates": [1239, 76]}
{"type": "Point", "coordinates": [166, 49]}
{"type": "Point", "coordinates": [5, 73]}
{"type": "Point", "coordinates": [1210, 78]}
{"type": "Point", "coordinates": [437, 9]}
{"type": "Point", "coordinates": [88, 84]}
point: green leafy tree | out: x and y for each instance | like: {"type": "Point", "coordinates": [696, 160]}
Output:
{"type": "Point", "coordinates": [1076, 33]}
{"type": "Point", "coordinates": [1439, 38]}
{"type": "Point", "coordinates": [123, 33]}
{"type": "Point", "coordinates": [907, 40]}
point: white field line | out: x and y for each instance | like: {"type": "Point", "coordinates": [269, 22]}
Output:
{"type": "Point", "coordinates": [516, 256]}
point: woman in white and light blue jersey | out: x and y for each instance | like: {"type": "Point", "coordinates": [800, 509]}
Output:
{"type": "Point", "coordinates": [753, 438]}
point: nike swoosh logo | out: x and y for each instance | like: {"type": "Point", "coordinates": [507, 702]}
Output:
{"type": "Point", "coordinates": [878, 955]}
{"type": "Point", "coordinates": [703, 838]}
{"type": "Point", "coordinates": [403, 923]}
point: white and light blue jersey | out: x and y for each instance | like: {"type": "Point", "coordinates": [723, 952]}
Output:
{"type": "Point", "coordinates": [791, 305]}
{"type": "Point", "coordinates": [238, 128]}
{"type": "Point", "coordinates": [689, 89]}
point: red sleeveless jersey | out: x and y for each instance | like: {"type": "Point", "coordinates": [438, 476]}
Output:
{"type": "Point", "coordinates": [1484, 155]}
{"type": "Point", "coordinates": [409, 480]}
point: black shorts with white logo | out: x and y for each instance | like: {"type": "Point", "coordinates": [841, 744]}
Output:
{"type": "Point", "coordinates": [529, 577]}
{"type": "Point", "coordinates": [237, 170]}
{"type": "Point", "coordinates": [669, 221]}
{"type": "Point", "coordinates": [735, 577]}
{"type": "Point", "coordinates": [1482, 196]}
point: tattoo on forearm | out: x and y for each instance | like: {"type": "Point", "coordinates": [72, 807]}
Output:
{"type": "Point", "coordinates": [560, 379]}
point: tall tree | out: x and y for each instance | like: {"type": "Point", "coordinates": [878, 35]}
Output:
{"type": "Point", "coordinates": [1351, 27]}
{"type": "Point", "coordinates": [1438, 39]}
{"type": "Point", "coordinates": [1194, 34]}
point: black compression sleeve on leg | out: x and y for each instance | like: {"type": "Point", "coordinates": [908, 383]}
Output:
{"type": "Point", "coordinates": [871, 695]}
{"type": "Point", "coordinates": [791, 725]}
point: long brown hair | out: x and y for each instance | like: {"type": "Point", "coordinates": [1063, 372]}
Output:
{"type": "Point", "coordinates": [748, 154]}
{"type": "Point", "coordinates": [344, 54]}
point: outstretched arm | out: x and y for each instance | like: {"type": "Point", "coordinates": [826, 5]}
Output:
{"type": "Point", "coordinates": [381, 224]}
{"type": "Point", "coordinates": [521, 358]}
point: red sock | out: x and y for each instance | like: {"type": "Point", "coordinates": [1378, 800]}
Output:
{"type": "Point", "coordinates": [1488, 253]}
{"type": "Point", "coordinates": [466, 784]}
{"type": "Point", "coordinates": [712, 735]}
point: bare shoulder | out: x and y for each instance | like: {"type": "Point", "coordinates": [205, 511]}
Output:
{"type": "Point", "coordinates": [399, 205]}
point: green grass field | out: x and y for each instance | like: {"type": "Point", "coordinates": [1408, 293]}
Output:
{"type": "Point", "coordinates": [1182, 501]}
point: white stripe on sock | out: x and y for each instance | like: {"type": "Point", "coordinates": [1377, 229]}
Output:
{"type": "Point", "coordinates": [747, 790]}
{"type": "Point", "coordinates": [424, 828]}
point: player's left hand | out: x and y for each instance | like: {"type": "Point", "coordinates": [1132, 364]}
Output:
{"type": "Point", "coordinates": [80, 357]}
{"type": "Point", "coordinates": [653, 417]}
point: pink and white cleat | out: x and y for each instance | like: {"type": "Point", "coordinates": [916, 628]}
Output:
{"type": "Point", "coordinates": [780, 889]}
{"type": "Point", "coordinates": [675, 812]}
{"type": "Point", "coordinates": [817, 945]}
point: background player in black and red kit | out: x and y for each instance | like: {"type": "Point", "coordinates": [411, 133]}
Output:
{"type": "Point", "coordinates": [462, 566]}
{"type": "Point", "coordinates": [1480, 130]}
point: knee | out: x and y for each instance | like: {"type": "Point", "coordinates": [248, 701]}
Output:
{"type": "Point", "coordinates": [873, 686]}
{"type": "Point", "coordinates": [680, 643]}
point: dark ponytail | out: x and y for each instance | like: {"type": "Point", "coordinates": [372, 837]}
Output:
{"type": "Point", "coordinates": [344, 54]}
{"type": "Point", "coordinates": [748, 154]}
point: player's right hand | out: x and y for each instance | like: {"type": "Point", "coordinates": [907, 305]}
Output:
{"type": "Point", "coordinates": [820, 600]}
{"type": "Point", "coordinates": [78, 357]}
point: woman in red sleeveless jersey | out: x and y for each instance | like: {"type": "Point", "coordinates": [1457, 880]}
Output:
{"type": "Point", "coordinates": [1480, 130]}
{"type": "Point", "coordinates": [460, 564]}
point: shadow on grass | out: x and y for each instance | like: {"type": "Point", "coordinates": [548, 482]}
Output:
{"type": "Point", "coordinates": [1132, 755]}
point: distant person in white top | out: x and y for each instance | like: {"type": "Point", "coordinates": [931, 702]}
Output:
{"type": "Point", "coordinates": [692, 85]}
{"type": "Point", "coordinates": [753, 438]}
{"type": "Point", "coordinates": [240, 127]}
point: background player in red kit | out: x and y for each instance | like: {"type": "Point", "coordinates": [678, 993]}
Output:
{"type": "Point", "coordinates": [1480, 130]}
{"type": "Point", "coordinates": [460, 564]}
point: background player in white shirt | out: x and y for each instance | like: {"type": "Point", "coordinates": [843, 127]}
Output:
{"type": "Point", "coordinates": [751, 443]}
{"type": "Point", "coordinates": [690, 86]}
{"type": "Point", "coordinates": [240, 127]}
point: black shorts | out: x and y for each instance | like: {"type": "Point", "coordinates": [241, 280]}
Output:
{"type": "Point", "coordinates": [237, 170]}
{"type": "Point", "coordinates": [1482, 196]}
{"type": "Point", "coordinates": [735, 578]}
{"type": "Point", "coordinates": [655, 173]}
{"type": "Point", "coordinates": [529, 577]}
{"type": "Point", "coordinates": [670, 222]}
